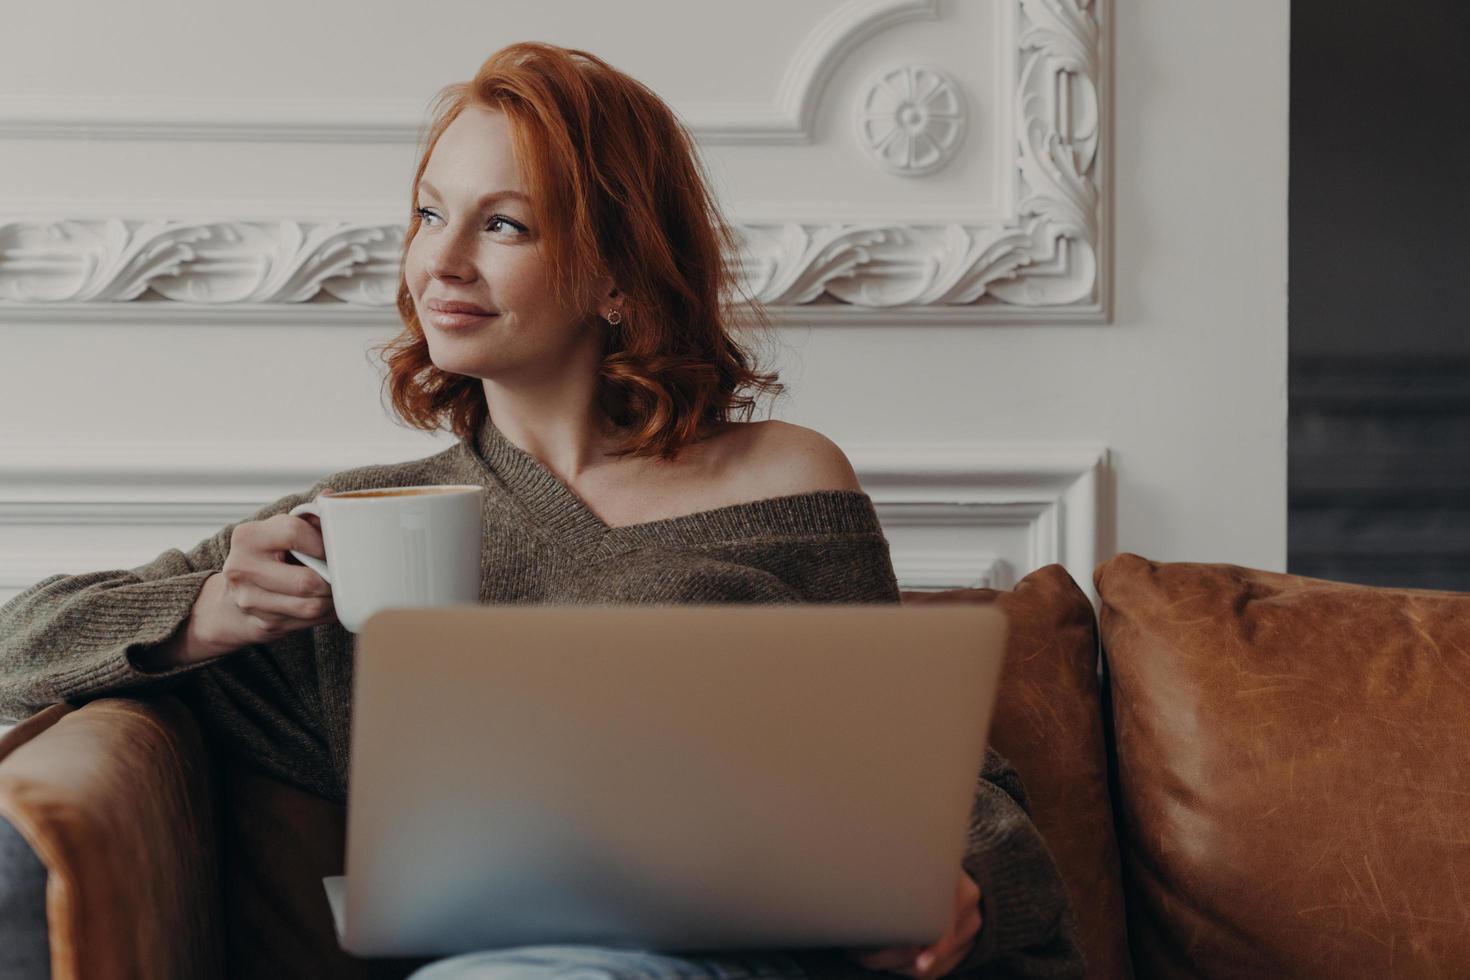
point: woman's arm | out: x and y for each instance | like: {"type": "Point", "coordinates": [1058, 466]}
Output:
{"type": "Point", "coordinates": [187, 645]}
{"type": "Point", "coordinates": [71, 636]}
{"type": "Point", "coordinates": [75, 636]}
{"type": "Point", "coordinates": [1027, 926]}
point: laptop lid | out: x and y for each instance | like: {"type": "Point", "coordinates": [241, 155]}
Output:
{"type": "Point", "coordinates": [663, 777]}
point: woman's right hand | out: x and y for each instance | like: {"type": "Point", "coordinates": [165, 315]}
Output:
{"type": "Point", "coordinates": [261, 594]}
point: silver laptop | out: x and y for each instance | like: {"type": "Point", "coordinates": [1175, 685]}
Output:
{"type": "Point", "coordinates": [662, 777]}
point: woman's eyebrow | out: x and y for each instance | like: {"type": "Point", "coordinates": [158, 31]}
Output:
{"type": "Point", "coordinates": [484, 199]}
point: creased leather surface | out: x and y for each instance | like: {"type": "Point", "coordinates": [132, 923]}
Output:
{"type": "Point", "coordinates": [1048, 723]}
{"type": "Point", "coordinates": [116, 801]}
{"type": "Point", "coordinates": [1294, 766]}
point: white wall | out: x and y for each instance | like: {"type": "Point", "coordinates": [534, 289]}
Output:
{"type": "Point", "coordinates": [110, 412]}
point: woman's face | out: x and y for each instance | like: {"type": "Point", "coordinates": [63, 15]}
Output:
{"type": "Point", "coordinates": [480, 250]}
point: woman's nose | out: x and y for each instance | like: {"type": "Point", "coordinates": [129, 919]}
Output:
{"type": "Point", "coordinates": [452, 256]}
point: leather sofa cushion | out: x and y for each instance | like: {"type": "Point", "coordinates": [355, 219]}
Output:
{"type": "Point", "coordinates": [1293, 787]}
{"type": "Point", "coordinates": [1048, 723]}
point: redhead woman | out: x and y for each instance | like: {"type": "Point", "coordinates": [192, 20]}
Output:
{"type": "Point", "coordinates": [567, 304]}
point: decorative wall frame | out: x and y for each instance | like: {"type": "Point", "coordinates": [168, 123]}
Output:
{"type": "Point", "coordinates": [956, 515]}
{"type": "Point", "coordinates": [1047, 262]}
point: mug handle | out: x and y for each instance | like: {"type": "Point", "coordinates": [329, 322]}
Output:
{"type": "Point", "coordinates": [310, 561]}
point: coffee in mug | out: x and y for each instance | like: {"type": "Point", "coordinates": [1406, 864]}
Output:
{"type": "Point", "coordinates": [398, 547]}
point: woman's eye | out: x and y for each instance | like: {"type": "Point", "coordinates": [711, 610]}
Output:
{"type": "Point", "coordinates": [425, 214]}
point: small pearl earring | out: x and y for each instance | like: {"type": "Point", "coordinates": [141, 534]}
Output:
{"type": "Point", "coordinates": [614, 317]}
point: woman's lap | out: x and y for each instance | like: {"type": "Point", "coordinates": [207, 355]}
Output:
{"type": "Point", "coordinates": [586, 962]}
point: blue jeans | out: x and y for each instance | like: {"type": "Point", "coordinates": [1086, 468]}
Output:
{"type": "Point", "coordinates": [579, 962]}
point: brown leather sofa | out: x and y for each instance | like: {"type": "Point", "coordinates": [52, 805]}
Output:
{"type": "Point", "coordinates": [1266, 776]}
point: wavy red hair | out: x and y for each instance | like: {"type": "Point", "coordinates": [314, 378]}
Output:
{"type": "Point", "coordinates": [617, 185]}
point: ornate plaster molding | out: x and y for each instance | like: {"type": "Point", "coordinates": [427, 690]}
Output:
{"type": "Point", "coordinates": [104, 260]}
{"type": "Point", "coordinates": [911, 120]}
{"type": "Point", "coordinates": [1048, 262]}
{"type": "Point", "coordinates": [787, 120]}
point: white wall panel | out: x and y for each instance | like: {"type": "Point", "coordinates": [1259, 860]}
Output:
{"type": "Point", "coordinates": [1163, 392]}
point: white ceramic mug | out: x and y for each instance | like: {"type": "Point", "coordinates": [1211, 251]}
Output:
{"type": "Point", "coordinates": [398, 547]}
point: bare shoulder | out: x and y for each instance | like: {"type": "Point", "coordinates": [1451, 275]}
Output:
{"type": "Point", "coordinates": [784, 458]}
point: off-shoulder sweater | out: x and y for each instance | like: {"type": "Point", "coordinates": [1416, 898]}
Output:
{"type": "Point", "coordinates": [284, 706]}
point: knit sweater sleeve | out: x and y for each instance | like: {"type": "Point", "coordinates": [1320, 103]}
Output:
{"type": "Point", "coordinates": [1027, 927]}
{"type": "Point", "coordinates": [75, 638]}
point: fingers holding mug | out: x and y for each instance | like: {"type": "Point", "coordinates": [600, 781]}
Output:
{"type": "Point", "coordinates": [309, 540]}
{"type": "Point", "coordinates": [304, 539]}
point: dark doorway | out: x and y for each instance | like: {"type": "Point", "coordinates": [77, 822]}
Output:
{"type": "Point", "coordinates": [1379, 340]}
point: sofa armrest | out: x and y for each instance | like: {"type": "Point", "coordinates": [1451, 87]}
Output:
{"type": "Point", "coordinates": [118, 802]}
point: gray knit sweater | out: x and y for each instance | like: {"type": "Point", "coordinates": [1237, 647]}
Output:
{"type": "Point", "coordinates": [284, 706]}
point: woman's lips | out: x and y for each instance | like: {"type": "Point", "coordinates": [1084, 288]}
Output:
{"type": "Point", "coordinates": [451, 321]}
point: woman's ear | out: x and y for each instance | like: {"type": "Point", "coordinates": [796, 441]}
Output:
{"type": "Point", "coordinates": [613, 298]}
{"type": "Point", "coordinates": [607, 296]}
